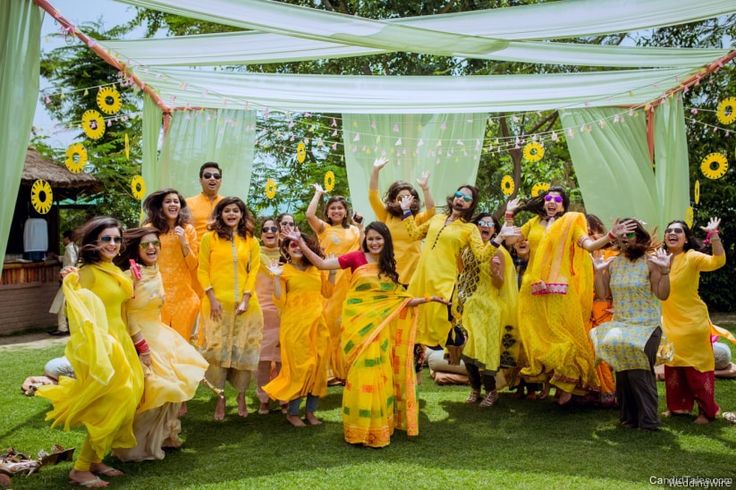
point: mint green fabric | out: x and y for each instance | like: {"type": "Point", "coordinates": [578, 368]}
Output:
{"type": "Point", "coordinates": [252, 47]}
{"type": "Point", "coordinates": [152, 118]}
{"type": "Point", "coordinates": [20, 40]}
{"type": "Point", "coordinates": [225, 136]}
{"type": "Point", "coordinates": [613, 168]}
{"type": "Point", "coordinates": [410, 142]}
{"type": "Point", "coordinates": [410, 94]}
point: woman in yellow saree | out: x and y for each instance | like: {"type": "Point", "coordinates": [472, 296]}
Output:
{"type": "Point", "coordinates": [379, 327]}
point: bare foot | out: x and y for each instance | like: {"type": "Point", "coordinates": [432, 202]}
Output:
{"type": "Point", "coordinates": [220, 409]}
{"type": "Point", "coordinates": [284, 408]}
{"type": "Point", "coordinates": [104, 470]}
{"type": "Point", "coordinates": [312, 419]}
{"type": "Point", "coordinates": [545, 391]}
{"type": "Point", "coordinates": [183, 409]}
{"type": "Point", "coordinates": [701, 420]}
{"type": "Point", "coordinates": [242, 405]}
{"type": "Point", "coordinates": [564, 398]}
{"type": "Point", "coordinates": [264, 408]}
{"type": "Point", "coordinates": [86, 479]}
{"type": "Point", "coordinates": [670, 413]}
{"type": "Point", "coordinates": [295, 421]}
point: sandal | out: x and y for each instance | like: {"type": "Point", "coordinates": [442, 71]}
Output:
{"type": "Point", "coordinates": [105, 470]}
{"type": "Point", "coordinates": [473, 397]}
{"type": "Point", "coordinates": [490, 399]}
{"type": "Point", "coordinates": [95, 482]}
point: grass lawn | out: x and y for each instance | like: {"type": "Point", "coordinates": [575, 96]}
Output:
{"type": "Point", "coordinates": [517, 444]}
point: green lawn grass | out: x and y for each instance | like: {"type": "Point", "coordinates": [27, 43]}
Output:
{"type": "Point", "coordinates": [516, 444]}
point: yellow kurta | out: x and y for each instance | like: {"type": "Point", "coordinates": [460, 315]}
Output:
{"type": "Point", "coordinates": [437, 270]}
{"type": "Point", "coordinates": [336, 240]}
{"type": "Point", "coordinates": [304, 335]}
{"type": "Point", "coordinates": [108, 381]}
{"type": "Point", "coordinates": [264, 288]}
{"type": "Point", "coordinates": [685, 319]}
{"type": "Point", "coordinates": [555, 304]}
{"type": "Point", "coordinates": [201, 207]}
{"type": "Point", "coordinates": [406, 249]}
{"type": "Point", "coordinates": [230, 267]}
{"type": "Point", "coordinates": [182, 303]}
{"type": "Point", "coordinates": [173, 377]}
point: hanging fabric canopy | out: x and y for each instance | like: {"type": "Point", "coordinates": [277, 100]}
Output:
{"type": "Point", "coordinates": [410, 95]}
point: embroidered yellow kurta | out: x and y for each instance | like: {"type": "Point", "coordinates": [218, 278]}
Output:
{"type": "Point", "coordinates": [336, 240]}
{"type": "Point", "coordinates": [304, 335]}
{"type": "Point", "coordinates": [406, 249]}
{"type": "Point", "coordinates": [230, 267]}
{"type": "Point", "coordinates": [685, 319]}
{"type": "Point", "coordinates": [437, 270]}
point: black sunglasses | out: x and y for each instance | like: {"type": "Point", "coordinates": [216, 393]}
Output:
{"type": "Point", "coordinates": [210, 175]}
{"type": "Point", "coordinates": [111, 239]}
{"type": "Point", "coordinates": [272, 229]}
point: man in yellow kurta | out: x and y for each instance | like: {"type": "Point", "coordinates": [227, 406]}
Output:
{"type": "Point", "coordinates": [202, 205]}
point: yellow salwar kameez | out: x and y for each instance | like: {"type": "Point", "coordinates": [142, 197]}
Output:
{"type": "Point", "coordinates": [304, 335]}
{"type": "Point", "coordinates": [232, 344]}
{"type": "Point", "coordinates": [406, 249]}
{"type": "Point", "coordinates": [378, 341]}
{"type": "Point", "coordinates": [555, 303]}
{"type": "Point", "coordinates": [270, 351]}
{"type": "Point", "coordinates": [182, 303]}
{"type": "Point", "coordinates": [336, 240]}
{"type": "Point", "coordinates": [172, 378]}
{"type": "Point", "coordinates": [437, 270]}
{"type": "Point", "coordinates": [108, 382]}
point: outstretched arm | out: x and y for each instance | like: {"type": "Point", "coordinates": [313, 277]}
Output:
{"type": "Point", "coordinates": [316, 260]}
{"type": "Point", "coordinates": [314, 222]}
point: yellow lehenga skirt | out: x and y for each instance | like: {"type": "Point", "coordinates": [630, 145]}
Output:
{"type": "Point", "coordinates": [378, 340]}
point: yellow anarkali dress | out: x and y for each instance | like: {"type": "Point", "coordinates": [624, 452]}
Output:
{"type": "Point", "coordinates": [555, 303]}
{"type": "Point", "coordinates": [378, 341]}
{"type": "Point", "coordinates": [336, 240]}
{"type": "Point", "coordinates": [304, 335]}
{"type": "Point", "coordinates": [108, 382]}
{"type": "Point", "coordinates": [173, 377]}
{"type": "Point", "coordinates": [437, 270]}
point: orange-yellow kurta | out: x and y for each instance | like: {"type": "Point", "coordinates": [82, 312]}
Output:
{"type": "Point", "coordinates": [201, 207]}
{"type": "Point", "coordinates": [406, 249]}
{"type": "Point", "coordinates": [304, 335]}
{"type": "Point", "coordinates": [685, 319]}
{"type": "Point", "coordinates": [336, 240]}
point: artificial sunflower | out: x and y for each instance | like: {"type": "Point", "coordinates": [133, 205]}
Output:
{"type": "Point", "coordinates": [696, 192]}
{"type": "Point", "coordinates": [93, 124]}
{"type": "Point", "coordinates": [507, 185]}
{"type": "Point", "coordinates": [108, 100]}
{"type": "Point", "coordinates": [539, 188]}
{"type": "Point", "coordinates": [689, 216]}
{"type": "Point", "coordinates": [138, 187]}
{"type": "Point", "coordinates": [726, 112]}
{"type": "Point", "coordinates": [329, 180]}
{"type": "Point", "coordinates": [714, 165]}
{"type": "Point", "coordinates": [41, 196]}
{"type": "Point", "coordinates": [76, 158]}
{"type": "Point", "coordinates": [270, 188]}
{"type": "Point", "coordinates": [533, 152]}
{"type": "Point", "coordinates": [301, 152]}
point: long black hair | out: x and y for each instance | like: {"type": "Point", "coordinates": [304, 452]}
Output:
{"type": "Point", "coordinates": [386, 260]}
{"type": "Point", "coordinates": [132, 240]}
{"type": "Point", "coordinates": [691, 243]}
{"type": "Point", "coordinates": [643, 241]}
{"type": "Point", "coordinates": [389, 199]}
{"type": "Point", "coordinates": [536, 204]}
{"type": "Point", "coordinates": [88, 247]}
{"type": "Point", "coordinates": [466, 215]}
{"type": "Point", "coordinates": [245, 225]}
{"type": "Point", "coordinates": [346, 219]}
{"type": "Point", "coordinates": [153, 205]}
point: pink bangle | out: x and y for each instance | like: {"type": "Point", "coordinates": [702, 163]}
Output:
{"type": "Point", "coordinates": [709, 235]}
{"type": "Point", "coordinates": [142, 347]}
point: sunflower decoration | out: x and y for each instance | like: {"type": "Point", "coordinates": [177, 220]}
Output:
{"type": "Point", "coordinates": [92, 124]}
{"type": "Point", "coordinates": [726, 112]}
{"type": "Point", "coordinates": [108, 100]}
{"type": "Point", "coordinates": [533, 152]}
{"type": "Point", "coordinates": [138, 187]}
{"type": "Point", "coordinates": [301, 152]}
{"type": "Point", "coordinates": [696, 192]}
{"type": "Point", "coordinates": [329, 181]}
{"type": "Point", "coordinates": [41, 196]}
{"type": "Point", "coordinates": [270, 188]}
{"type": "Point", "coordinates": [714, 165]}
{"type": "Point", "coordinates": [507, 185]}
{"type": "Point", "coordinates": [76, 158]}
{"type": "Point", "coordinates": [539, 188]}
{"type": "Point", "coordinates": [689, 216]}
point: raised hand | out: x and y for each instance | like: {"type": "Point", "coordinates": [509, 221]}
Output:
{"type": "Point", "coordinates": [380, 162]}
{"type": "Point", "coordinates": [508, 230]}
{"type": "Point", "coordinates": [318, 189]}
{"type": "Point", "coordinates": [293, 235]}
{"type": "Point", "coordinates": [600, 264]}
{"type": "Point", "coordinates": [713, 225]}
{"type": "Point", "coordinates": [406, 202]}
{"type": "Point", "coordinates": [620, 228]}
{"type": "Point", "coordinates": [662, 259]}
{"type": "Point", "coordinates": [275, 268]}
{"type": "Point", "coordinates": [423, 180]}
{"type": "Point", "coordinates": [513, 205]}
{"type": "Point", "coordinates": [179, 232]}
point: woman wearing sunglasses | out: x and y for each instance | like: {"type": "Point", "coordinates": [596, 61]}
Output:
{"type": "Point", "coordinates": [446, 235]}
{"type": "Point", "coordinates": [173, 368]}
{"type": "Point", "coordinates": [232, 322]}
{"type": "Point", "coordinates": [556, 295]}
{"type": "Point", "coordinates": [109, 377]}
{"type": "Point", "coordinates": [167, 211]}
{"type": "Point", "coordinates": [689, 376]}
{"type": "Point", "coordinates": [637, 280]}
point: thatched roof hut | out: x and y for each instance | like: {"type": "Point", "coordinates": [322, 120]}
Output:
{"type": "Point", "coordinates": [64, 183]}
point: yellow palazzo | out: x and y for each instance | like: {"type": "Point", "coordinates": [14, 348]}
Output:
{"type": "Point", "coordinates": [437, 270]}
{"type": "Point", "coordinates": [173, 377]}
{"type": "Point", "coordinates": [336, 240]}
{"type": "Point", "coordinates": [303, 335]}
{"type": "Point", "coordinates": [555, 303]}
{"type": "Point", "coordinates": [108, 382]}
{"type": "Point", "coordinates": [378, 342]}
